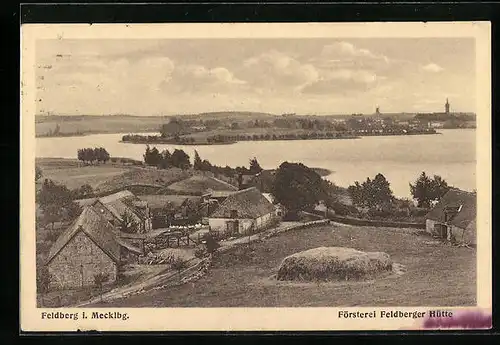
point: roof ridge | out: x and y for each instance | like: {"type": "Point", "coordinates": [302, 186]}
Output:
{"type": "Point", "coordinates": [244, 190]}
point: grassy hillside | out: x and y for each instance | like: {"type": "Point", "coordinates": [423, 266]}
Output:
{"type": "Point", "coordinates": [436, 274]}
{"type": "Point", "coordinates": [110, 177]}
{"type": "Point", "coordinates": [86, 124]}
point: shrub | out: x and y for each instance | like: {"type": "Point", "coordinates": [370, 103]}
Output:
{"type": "Point", "coordinates": [200, 252]}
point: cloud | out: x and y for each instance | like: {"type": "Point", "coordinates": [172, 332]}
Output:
{"type": "Point", "coordinates": [346, 52]}
{"type": "Point", "coordinates": [432, 67]}
{"type": "Point", "coordinates": [197, 78]}
{"type": "Point", "coordinates": [275, 71]}
{"type": "Point", "coordinates": [342, 81]}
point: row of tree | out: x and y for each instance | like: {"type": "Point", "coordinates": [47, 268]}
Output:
{"type": "Point", "coordinates": [221, 138]}
{"type": "Point", "coordinates": [165, 159]}
{"type": "Point", "coordinates": [180, 159]}
{"type": "Point", "coordinates": [90, 155]}
{"type": "Point", "coordinates": [376, 192]}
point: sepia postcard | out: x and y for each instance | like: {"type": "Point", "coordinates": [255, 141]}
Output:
{"type": "Point", "coordinates": [255, 177]}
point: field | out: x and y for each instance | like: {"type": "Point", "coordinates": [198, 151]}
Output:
{"type": "Point", "coordinates": [107, 177]}
{"type": "Point", "coordinates": [88, 124]}
{"type": "Point", "coordinates": [436, 274]}
{"type": "Point", "coordinates": [98, 124]}
{"type": "Point", "coordinates": [74, 174]}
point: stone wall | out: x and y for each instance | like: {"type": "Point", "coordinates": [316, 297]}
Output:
{"type": "Point", "coordinates": [80, 255]}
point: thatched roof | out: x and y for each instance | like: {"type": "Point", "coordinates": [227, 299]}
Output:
{"type": "Point", "coordinates": [160, 201]}
{"type": "Point", "coordinates": [201, 184]}
{"type": "Point", "coordinates": [219, 193]}
{"type": "Point", "coordinates": [249, 204]}
{"type": "Point", "coordinates": [85, 202]}
{"type": "Point", "coordinates": [124, 194]}
{"type": "Point", "coordinates": [96, 227]}
{"type": "Point", "coordinates": [121, 202]}
{"type": "Point", "coordinates": [463, 202]}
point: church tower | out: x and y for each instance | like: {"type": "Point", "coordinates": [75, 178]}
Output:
{"type": "Point", "coordinates": [447, 107]}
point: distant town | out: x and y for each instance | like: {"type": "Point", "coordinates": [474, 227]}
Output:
{"type": "Point", "coordinates": [230, 127]}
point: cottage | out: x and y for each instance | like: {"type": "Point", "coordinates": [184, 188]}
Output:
{"type": "Point", "coordinates": [263, 180]}
{"type": "Point", "coordinates": [88, 247]}
{"type": "Point", "coordinates": [172, 209]}
{"type": "Point", "coordinates": [114, 206]}
{"type": "Point", "coordinates": [242, 212]}
{"type": "Point", "coordinates": [454, 217]}
{"type": "Point", "coordinates": [217, 195]}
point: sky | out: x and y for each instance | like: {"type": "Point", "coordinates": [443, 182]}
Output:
{"type": "Point", "coordinates": [303, 76]}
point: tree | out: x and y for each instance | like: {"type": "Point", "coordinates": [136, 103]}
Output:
{"type": "Point", "coordinates": [440, 187]}
{"type": "Point", "coordinates": [147, 155]}
{"type": "Point", "coordinates": [174, 128]}
{"type": "Point", "coordinates": [206, 165]}
{"type": "Point", "coordinates": [56, 130]}
{"type": "Point", "coordinates": [56, 202]}
{"type": "Point", "coordinates": [165, 161]}
{"type": "Point", "coordinates": [425, 189]}
{"type": "Point", "coordinates": [211, 244]}
{"type": "Point", "coordinates": [85, 191]}
{"type": "Point", "coordinates": [43, 280]}
{"type": "Point", "coordinates": [178, 264]}
{"type": "Point", "coordinates": [197, 163]}
{"type": "Point", "coordinates": [180, 159]}
{"type": "Point", "coordinates": [152, 156]}
{"type": "Point", "coordinates": [101, 154]}
{"type": "Point", "coordinates": [381, 191]}
{"type": "Point", "coordinates": [356, 193]}
{"type": "Point", "coordinates": [297, 187]}
{"type": "Point", "coordinates": [255, 167]}
{"type": "Point", "coordinates": [372, 193]}
{"type": "Point", "coordinates": [99, 280]}
{"type": "Point", "coordinates": [127, 223]}
{"type": "Point", "coordinates": [38, 173]}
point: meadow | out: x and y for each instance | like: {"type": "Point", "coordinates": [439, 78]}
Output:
{"type": "Point", "coordinates": [435, 274]}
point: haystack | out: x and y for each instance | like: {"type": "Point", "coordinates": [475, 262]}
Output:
{"type": "Point", "coordinates": [333, 263]}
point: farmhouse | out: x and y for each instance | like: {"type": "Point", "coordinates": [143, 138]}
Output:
{"type": "Point", "coordinates": [114, 206]}
{"type": "Point", "coordinates": [263, 180]}
{"type": "Point", "coordinates": [86, 248]}
{"type": "Point", "coordinates": [171, 209]}
{"type": "Point", "coordinates": [242, 212]}
{"type": "Point", "coordinates": [454, 217]}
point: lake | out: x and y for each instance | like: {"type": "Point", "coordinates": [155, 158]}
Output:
{"type": "Point", "coordinates": [452, 155]}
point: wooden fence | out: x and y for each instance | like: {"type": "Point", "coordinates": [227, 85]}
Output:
{"type": "Point", "coordinates": [369, 222]}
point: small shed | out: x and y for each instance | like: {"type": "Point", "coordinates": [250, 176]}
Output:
{"type": "Point", "coordinates": [454, 217]}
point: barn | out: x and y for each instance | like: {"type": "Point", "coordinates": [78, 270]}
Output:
{"type": "Point", "coordinates": [115, 205]}
{"type": "Point", "coordinates": [243, 212]}
{"type": "Point", "coordinates": [454, 217]}
{"type": "Point", "coordinates": [86, 248]}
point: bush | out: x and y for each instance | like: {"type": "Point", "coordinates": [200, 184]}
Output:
{"type": "Point", "coordinates": [344, 210]}
{"type": "Point", "coordinates": [200, 252]}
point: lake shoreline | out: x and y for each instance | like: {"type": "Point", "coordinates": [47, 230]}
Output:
{"type": "Point", "coordinates": [345, 137]}
{"type": "Point", "coordinates": [400, 158]}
